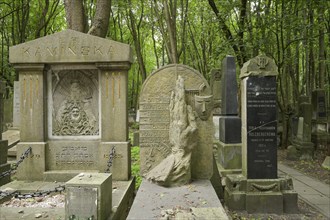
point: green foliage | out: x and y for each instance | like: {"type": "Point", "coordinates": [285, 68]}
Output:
{"type": "Point", "coordinates": [135, 154]}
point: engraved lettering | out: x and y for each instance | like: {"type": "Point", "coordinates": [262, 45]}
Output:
{"type": "Point", "coordinates": [52, 51]}
{"type": "Point", "coordinates": [85, 50]}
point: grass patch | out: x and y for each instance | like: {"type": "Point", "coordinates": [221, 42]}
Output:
{"type": "Point", "coordinates": [135, 154]}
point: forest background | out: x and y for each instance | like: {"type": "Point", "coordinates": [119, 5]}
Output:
{"type": "Point", "coordinates": [198, 33]}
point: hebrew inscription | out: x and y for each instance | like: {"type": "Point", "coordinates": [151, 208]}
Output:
{"type": "Point", "coordinates": [75, 103]}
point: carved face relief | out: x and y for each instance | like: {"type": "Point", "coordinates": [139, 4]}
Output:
{"type": "Point", "coordinates": [203, 106]}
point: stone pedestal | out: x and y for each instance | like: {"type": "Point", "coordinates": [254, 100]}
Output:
{"type": "Point", "coordinates": [230, 158]}
{"type": "Point", "coordinates": [261, 196]}
{"type": "Point", "coordinates": [89, 196]}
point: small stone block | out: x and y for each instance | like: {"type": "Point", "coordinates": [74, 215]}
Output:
{"type": "Point", "coordinates": [230, 155]}
{"type": "Point", "coordinates": [89, 196]}
{"type": "Point", "coordinates": [326, 163]}
{"type": "Point", "coordinates": [268, 202]}
{"type": "Point", "coordinates": [3, 151]}
{"type": "Point", "coordinates": [290, 201]}
{"type": "Point", "coordinates": [230, 129]}
{"type": "Point", "coordinates": [235, 200]}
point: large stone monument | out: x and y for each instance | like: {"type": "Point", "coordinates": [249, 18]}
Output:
{"type": "Point", "coordinates": [229, 146]}
{"type": "Point", "coordinates": [259, 189]}
{"type": "Point", "coordinates": [73, 105]}
{"type": "Point", "coordinates": [4, 166]}
{"type": "Point", "coordinates": [176, 140]}
{"type": "Point", "coordinates": [155, 119]}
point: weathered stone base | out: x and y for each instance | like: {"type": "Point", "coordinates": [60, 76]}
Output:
{"type": "Point", "coordinates": [35, 168]}
{"type": "Point", "coordinates": [230, 155]}
{"type": "Point", "coordinates": [321, 140]}
{"type": "Point", "coordinates": [32, 167]}
{"type": "Point", "coordinates": [154, 202]}
{"type": "Point", "coordinates": [260, 196]}
{"type": "Point", "coordinates": [301, 151]}
{"type": "Point", "coordinates": [3, 168]}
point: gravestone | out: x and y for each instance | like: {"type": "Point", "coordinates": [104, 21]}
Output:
{"type": "Point", "coordinates": [73, 105]}
{"type": "Point", "coordinates": [229, 146]}
{"type": "Point", "coordinates": [4, 166]}
{"type": "Point", "coordinates": [320, 135]}
{"type": "Point", "coordinates": [16, 106]}
{"type": "Point", "coordinates": [302, 147]}
{"type": "Point", "coordinates": [215, 82]}
{"type": "Point", "coordinates": [176, 122]}
{"type": "Point", "coordinates": [259, 189]}
{"type": "Point", "coordinates": [155, 119]}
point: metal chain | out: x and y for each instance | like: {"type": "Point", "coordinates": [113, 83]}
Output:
{"type": "Point", "coordinates": [15, 165]}
{"type": "Point", "coordinates": [18, 195]}
{"type": "Point", "coordinates": [111, 156]}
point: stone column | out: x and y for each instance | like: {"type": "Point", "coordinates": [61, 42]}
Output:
{"type": "Point", "coordinates": [32, 125]}
{"type": "Point", "coordinates": [4, 166]}
{"type": "Point", "coordinates": [114, 118]}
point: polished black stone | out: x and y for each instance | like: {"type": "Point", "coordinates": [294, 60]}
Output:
{"type": "Point", "coordinates": [229, 103]}
{"type": "Point", "coordinates": [261, 127]}
{"type": "Point", "coordinates": [230, 129]}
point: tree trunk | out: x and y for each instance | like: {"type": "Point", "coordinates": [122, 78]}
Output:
{"type": "Point", "coordinates": [75, 15]}
{"type": "Point", "coordinates": [101, 18]}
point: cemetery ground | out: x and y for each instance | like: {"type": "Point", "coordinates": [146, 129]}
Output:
{"type": "Point", "coordinates": [309, 168]}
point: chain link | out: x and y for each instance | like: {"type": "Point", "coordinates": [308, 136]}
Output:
{"type": "Point", "coordinates": [15, 165]}
{"type": "Point", "coordinates": [111, 156]}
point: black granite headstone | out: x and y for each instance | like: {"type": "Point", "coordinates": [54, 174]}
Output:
{"type": "Point", "coordinates": [261, 127]}
{"type": "Point", "coordinates": [319, 106]}
{"type": "Point", "coordinates": [229, 102]}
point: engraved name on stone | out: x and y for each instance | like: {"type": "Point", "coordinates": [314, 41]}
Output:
{"type": "Point", "coordinates": [73, 47]}
{"type": "Point", "coordinates": [74, 155]}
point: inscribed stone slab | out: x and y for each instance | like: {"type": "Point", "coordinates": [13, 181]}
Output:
{"type": "Point", "coordinates": [154, 116]}
{"type": "Point", "coordinates": [260, 127]}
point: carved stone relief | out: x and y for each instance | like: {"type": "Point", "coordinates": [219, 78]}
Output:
{"type": "Point", "coordinates": [75, 103]}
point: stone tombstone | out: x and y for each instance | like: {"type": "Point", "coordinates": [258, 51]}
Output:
{"type": "Point", "coordinates": [230, 123]}
{"type": "Point", "coordinates": [319, 105]}
{"type": "Point", "coordinates": [155, 119]}
{"type": "Point", "coordinates": [229, 147]}
{"type": "Point", "coordinates": [73, 105]}
{"type": "Point", "coordinates": [259, 118]}
{"type": "Point", "coordinates": [215, 82]}
{"type": "Point", "coordinates": [4, 166]}
{"type": "Point", "coordinates": [16, 105]}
